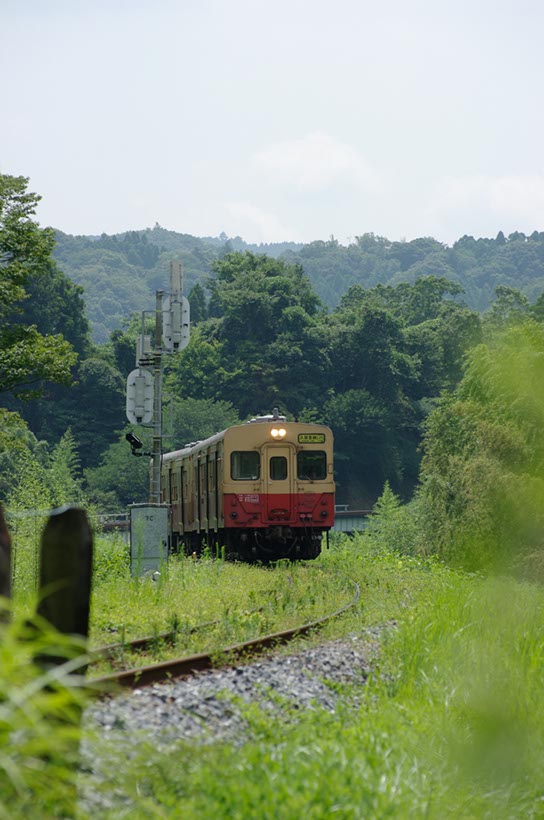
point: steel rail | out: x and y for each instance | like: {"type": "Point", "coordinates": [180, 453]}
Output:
{"type": "Point", "coordinates": [112, 649]}
{"type": "Point", "coordinates": [184, 667]}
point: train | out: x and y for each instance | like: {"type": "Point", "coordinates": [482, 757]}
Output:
{"type": "Point", "coordinates": [262, 490]}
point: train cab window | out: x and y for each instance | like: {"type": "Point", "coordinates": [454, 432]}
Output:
{"type": "Point", "coordinates": [245, 465]}
{"type": "Point", "coordinates": [278, 468]}
{"type": "Point", "coordinates": [312, 465]}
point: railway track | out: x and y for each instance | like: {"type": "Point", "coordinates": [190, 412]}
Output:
{"type": "Point", "coordinates": [187, 666]}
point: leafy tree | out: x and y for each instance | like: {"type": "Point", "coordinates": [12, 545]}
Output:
{"type": "Point", "coordinates": [55, 305]}
{"type": "Point", "coordinates": [65, 472]}
{"type": "Point", "coordinates": [123, 343]}
{"type": "Point", "coordinates": [26, 356]}
{"type": "Point", "coordinates": [120, 478]}
{"type": "Point", "coordinates": [392, 525]}
{"type": "Point", "coordinates": [262, 347]}
{"type": "Point", "coordinates": [368, 351]}
{"type": "Point", "coordinates": [481, 498]}
{"type": "Point", "coordinates": [510, 306]}
{"type": "Point", "coordinates": [197, 419]}
{"type": "Point", "coordinates": [197, 301]}
{"type": "Point", "coordinates": [17, 444]}
{"type": "Point", "coordinates": [198, 371]}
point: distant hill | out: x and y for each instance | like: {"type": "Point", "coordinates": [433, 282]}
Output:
{"type": "Point", "coordinates": [120, 273]}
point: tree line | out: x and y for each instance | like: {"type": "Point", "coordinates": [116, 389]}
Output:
{"type": "Point", "coordinates": [120, 273]}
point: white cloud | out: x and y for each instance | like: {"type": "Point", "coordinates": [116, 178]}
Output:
{"type": "Point", "coordinates": [505, 203]}
{"type": "Point", "coordinates": [245, 218]}
{"type": "Point", "coordinates": [314, 163]}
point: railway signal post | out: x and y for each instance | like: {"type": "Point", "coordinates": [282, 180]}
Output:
{"type": "Point", "coordinates": [144, 388]}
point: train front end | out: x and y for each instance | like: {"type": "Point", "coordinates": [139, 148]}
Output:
{"type": "Point", "coordinates": [279, 491]}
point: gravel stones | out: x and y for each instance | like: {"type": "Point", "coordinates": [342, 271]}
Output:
{"type": "Point", "coordinates": [204, 706]}
{"type": "Point", "coordinates": [207, 708]}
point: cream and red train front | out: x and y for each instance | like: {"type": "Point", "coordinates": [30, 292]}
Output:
{"type": "Point", "coordinates": [279, 486]}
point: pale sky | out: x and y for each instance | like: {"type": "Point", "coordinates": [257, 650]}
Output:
{"type": "Point", "coordinates": [277, 119]}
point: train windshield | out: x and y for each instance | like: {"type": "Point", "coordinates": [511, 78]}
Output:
{"type": "Point", "coordinates": [311, 465]}
{"type": "Point", "coordinates": [278, 468]}
{"type": "Point", "coordinates": [245, 465]}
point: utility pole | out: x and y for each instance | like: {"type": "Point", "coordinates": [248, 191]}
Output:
{"type": "Point", "coordinates": [156, 454]}
{"type": "Point", "coordinates": [144, 385]}
{"type": "Point", "coordinates": [149, 521]}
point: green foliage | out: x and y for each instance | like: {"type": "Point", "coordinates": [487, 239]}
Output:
{"type": "Point", "coordinates": [197, 419]}
{"type": "Point", "coordinates": [26, 356]}
{"type": "Point", "coordinates": [24, 246]}
{"type": "Point", "coordinates": [482, 491]}
{"type": "Point", "coordinates": [392, 525]}
{"type": "Point", "coordinates": [477, 265]}
{"type": "Point", "coordinates": [451, 715]}
{"type": "Point", "coordinates": [17, 444]}
{"type": "Point", "coordinates": [55, 305]}
{"type": "Point", "coordinates": [39, 723]}
{"type": "Point", "coordinates": [197, 301]}
{"type": "Point", "coordinates": [120, 478]}
{"type": "Point", "coordinates": [64, 473]}
{"type": "Point", "coordinates": [42, 481]}
{"type": "Point", "coordinates": [237, 602]}
{"type": "Point", "coordinates": [120, 273]}
{"type": "Point", "coordinates": [509, 307]}
{"type": "Point", "coordinates": [94, 409]}
{"type": "Point", "coordinates": [263, 347]}
{"type": "Point", "coordinates": [111, 559]}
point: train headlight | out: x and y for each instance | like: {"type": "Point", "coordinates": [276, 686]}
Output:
{"type": "Point", "coordinates": [274, 433]}
{"type": "Point", "coordinates": [282, 432]}
{"type": "Point", "coordinates": [278, 433]}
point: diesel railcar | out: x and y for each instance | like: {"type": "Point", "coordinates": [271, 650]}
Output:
{"type": "Point", "coordinates": [262, 490]}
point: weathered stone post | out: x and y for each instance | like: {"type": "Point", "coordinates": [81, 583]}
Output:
{"type": "Point", "coordinates": [65, 571]}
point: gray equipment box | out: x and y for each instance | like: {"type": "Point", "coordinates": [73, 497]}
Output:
{"type": "Point", "coordinates": [148, 537]}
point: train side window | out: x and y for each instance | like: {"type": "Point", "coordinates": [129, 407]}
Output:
{"type": "Point", "coordinates": [278, 468]}
{"type": "Point", "coordinates": [312, 465]}
{"type": "Point", "coordinates": [245, 465]}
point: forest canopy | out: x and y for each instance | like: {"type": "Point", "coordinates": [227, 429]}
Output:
{"type": "Point", "coordinates": [121, 272]}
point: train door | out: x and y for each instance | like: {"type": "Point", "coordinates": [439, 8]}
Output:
{"type": "Point", "coordinates": [183, 512]}
{"type": "Point", "coordinates": [196, 492]}
{"type": "Point", "coordinates": [212, 482]}
{"type": "Point", "coordinates": [278, 482]}
{"type": "Point", "coordinates": [204, 492]}
{"type": "Point", "coordinates": [219, 478]}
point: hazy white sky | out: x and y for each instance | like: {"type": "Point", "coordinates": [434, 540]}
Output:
{"type": "Point", "coordinates": [277, 120]}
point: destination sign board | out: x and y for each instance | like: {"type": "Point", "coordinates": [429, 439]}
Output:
{"type": "Point", "coordinates": [311, 438]}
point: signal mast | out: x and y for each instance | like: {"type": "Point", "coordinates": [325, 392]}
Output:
{"type": "Point", "coordinates": [144, 384]}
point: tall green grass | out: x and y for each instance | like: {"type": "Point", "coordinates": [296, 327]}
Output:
{"type": "Point", "coordinates": [450, 724]}
{"type": "Point", "coordinates": [238, 602]}
{"type": "Point", "coordinates": [40, 711]}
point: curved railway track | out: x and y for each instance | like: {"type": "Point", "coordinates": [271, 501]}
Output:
{"type": "Point", "coordinates": [183, 667]}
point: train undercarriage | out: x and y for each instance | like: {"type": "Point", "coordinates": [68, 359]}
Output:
{"type": "Point", "coordinates": [254, 544]}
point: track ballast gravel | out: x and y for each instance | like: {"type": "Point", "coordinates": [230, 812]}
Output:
{"type": "Point", "coordinates": [203, 708]}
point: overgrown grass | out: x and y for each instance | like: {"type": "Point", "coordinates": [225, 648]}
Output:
{"type": "Point", "coordinates": [237, 602]}
{"type": "Point", "coordinates": [451, 723]}
{"type": "Point", "coordinates": [40, 712]}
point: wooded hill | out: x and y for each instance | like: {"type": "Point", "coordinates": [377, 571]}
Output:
{"type": "Point", "coordinates": [120, 273]}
